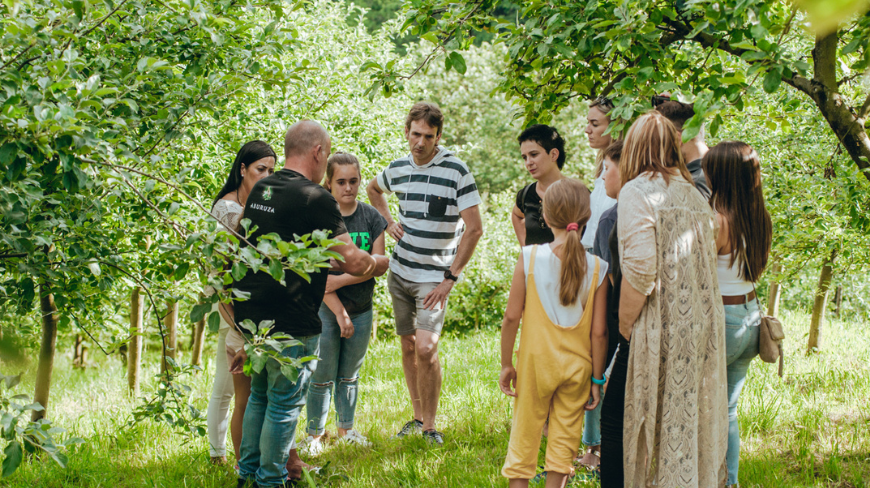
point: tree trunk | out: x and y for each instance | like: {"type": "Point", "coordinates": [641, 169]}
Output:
{"type": "Point", "coordinates": [196, 343]}
{"type": "Point", "coordinates": [774, 292]}
{"type": "Point", "coordinates": [819, 305]}
{"type": "Point", "coordinates": [46, 350]}
{"type": "Point", "coordinates": [78, 353]}
{"type": "Point", "coordinates": [838, 300]}
{"type": "Point", "coordinates": [171, 339]}
{"type": "Point", "coordinates": [134, 350]}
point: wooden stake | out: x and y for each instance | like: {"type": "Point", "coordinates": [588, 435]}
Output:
{"type": "Point", "coordinates": [134, 350]}
{"type": "Point", "coordinates": [820, 303]}
{"type": "Point", "coordinates": [46, 351]}
{"type": "Point", "coordinates": [196, 343]}
{"type": "Point", "coordinates": [171, 324]}
{"type": "Point", "coordinates": [775, 291]}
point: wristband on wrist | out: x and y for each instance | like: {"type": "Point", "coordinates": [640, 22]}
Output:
{"type": "Point", "coordinates": [601, 381]}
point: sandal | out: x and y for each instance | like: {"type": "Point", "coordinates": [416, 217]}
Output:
{"type": "Point", "coordinates": [594, 452]}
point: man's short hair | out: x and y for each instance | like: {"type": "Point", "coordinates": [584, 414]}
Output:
{"type": "Point", "coordinates": [677, 112]}
{"type": "Point", "coordinates": [302, 136]}
{"type": "Point", "coordinates": [427, 112]}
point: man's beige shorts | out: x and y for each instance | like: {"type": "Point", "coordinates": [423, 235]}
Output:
{"type": "Point", "coordinates": [408, 306]}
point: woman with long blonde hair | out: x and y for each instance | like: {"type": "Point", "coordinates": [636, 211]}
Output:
{"type": "Point", "coordinates": [675, 429]}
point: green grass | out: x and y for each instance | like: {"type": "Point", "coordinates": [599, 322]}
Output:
{"type": "Point", "coordinates": [811, 429]}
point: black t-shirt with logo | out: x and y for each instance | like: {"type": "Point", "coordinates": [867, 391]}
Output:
{"type": "Point", "coordinates": [364, 226]}
{"type": "Point", "coordinates": [530, 204]}
{"type": "Point", "coordinates": [288, 204]}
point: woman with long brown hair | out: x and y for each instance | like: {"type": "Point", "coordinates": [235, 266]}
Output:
{"type": "Point", "coordinates": [675, 431]}
{"type": "Point", "coordinates": [745, 232]}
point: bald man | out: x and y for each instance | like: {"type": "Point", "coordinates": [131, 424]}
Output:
{"type": "Point", "coordinates": [290, 202]}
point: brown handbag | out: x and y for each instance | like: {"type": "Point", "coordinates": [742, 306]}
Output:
{"type": "Point", "coordinates": [770, 335]}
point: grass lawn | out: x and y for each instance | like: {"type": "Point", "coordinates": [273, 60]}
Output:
{"type": "Point", "coordinates": [811, 429]}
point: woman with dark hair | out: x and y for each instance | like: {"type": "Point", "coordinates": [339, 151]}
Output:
{"type": "Point", "coordinates": [675, 431]}
{"type": "Point", "coordinates": [255, 161]}
{"type": "Point", "coordinates": [733, 173]}
{"type": "Point", "coordinates": [543, 151]}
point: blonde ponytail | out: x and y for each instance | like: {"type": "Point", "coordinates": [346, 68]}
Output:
{"type": "Point", "coordinates": [567, 202]}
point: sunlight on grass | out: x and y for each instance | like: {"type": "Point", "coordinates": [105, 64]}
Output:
{"type": "Point", "coordinates": [810, 429]}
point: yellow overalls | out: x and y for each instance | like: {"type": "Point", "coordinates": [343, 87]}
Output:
{"type": "Point", "coordinates": [554, 371]}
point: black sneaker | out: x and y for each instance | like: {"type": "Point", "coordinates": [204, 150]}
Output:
{"type": "Point", "coordinates": [412, 427]}
{"type": "Point", "coordinates": [434, 437]}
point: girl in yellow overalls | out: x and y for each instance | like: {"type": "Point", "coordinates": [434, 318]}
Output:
{"type": "Point", "coordinates": [560, 361]}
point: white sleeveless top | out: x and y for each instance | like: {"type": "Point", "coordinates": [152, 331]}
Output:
{"type": "Point", "coordinates": [599, 202]}
{"type": "Point", "coordinates": [547, 268]}
{"type": "Point", "coordinates": [730, 282]}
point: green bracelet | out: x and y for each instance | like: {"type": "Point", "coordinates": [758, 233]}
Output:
{"type": "Point", "coordinates": [599, 382]}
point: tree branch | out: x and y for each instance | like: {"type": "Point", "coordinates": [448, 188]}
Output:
{"type": "Point", "coordinates": [865, 109]}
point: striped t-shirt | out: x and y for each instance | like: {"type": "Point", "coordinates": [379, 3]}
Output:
{"type": "Point", "coordinates": [430, 199]}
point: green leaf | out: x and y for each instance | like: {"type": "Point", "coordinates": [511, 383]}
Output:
{"type": "Point", "coordinates": [198, 311]}
{"type": "Point", "coordinates": [258, 362]}
{"type": "Point", "coordinates": [214, 321]}
{"type": "Point", "coordinates": [13, 457]}
{"type": "Point", "coordinates": [276, 270]}
{"type": "Point", "coordinates": [458, 62]}
{"type": "Point", "coordinates": [8, 152]}
{"type": "Point", "coordinates": [290, 372]}
{"type": "Point", "coordinates": [771, 81]}
{"type": "Point", "coordinates": [181, 271]}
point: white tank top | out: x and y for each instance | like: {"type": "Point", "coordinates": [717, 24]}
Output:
{"type": "Point", "coordinates": [547, 272]}
{"type": "Point", "coordinates": [730, 282]}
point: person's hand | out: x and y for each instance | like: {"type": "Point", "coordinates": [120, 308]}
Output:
{"type": "Point", "coordinates": [331, 284]}
{"type": "Point", "coordinates": [238, 362]}
{"type": "Point", "coordinates": [346, 327]}
{"type": "Point", "coordinates": [507, 381]}
{"type": "Point", "coordinates": [396, 231]}
{"type": "Point", "coordinates": [594, 397]}
{"type": "Point", "coordinates": [438, 295]}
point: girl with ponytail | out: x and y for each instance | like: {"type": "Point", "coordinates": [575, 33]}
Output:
{"type": "Point", "coordinates": [560, 293]}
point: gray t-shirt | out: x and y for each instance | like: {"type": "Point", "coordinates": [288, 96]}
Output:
{"type": "Point", "coordinates": [699, 178]}
{"type": "Point", "coordinates": [363, 226]}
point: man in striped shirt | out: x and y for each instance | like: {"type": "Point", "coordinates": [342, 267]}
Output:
{"type": "Point", "coordinates": [437, 198]}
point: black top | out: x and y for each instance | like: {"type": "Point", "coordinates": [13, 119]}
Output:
{"type": "Point", "coordinates": [601, 245]}
{"type": "Point", "coordinates": [614, 337]}
{"type": "Point", "coordinates": [288, 204]}
{"type": "Point", "coordinates": [700, 178]}
{"type": "Point", "coordinates": [365, 225]}
{"type": "Point", "coordinates": [530, 204]}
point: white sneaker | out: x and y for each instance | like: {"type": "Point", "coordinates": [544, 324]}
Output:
{"type": "Point", "coordinates": [354, 437]}
{"type": "Point", "coordinates": [311, 446]}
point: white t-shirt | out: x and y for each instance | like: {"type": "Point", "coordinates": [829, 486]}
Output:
{"type": "Point", "coordinates": [547, 268]}
{"type": "Point", "coordinates": [599, 203]}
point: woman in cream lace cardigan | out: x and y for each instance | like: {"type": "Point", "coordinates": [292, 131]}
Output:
{"type": "Point", "coordinates": [676, 420]}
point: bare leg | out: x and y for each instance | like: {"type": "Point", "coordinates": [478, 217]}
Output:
{"type": "Point", "coordinates": [242, 388]}
{"type": "Point", "coordinates": [428, 376]}
{"type": "Point", "coordinates": [556, 480]}
{"type": "Point", "coordinates": [409, 365]}
{"type": "Point", "coordinates": [518, 483]}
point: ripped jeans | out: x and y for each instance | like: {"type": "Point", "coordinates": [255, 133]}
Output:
{"type": "Point", "coordinates": [340, 362]}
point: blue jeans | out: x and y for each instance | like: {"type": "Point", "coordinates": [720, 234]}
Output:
{"type": "Point", "coordinates": [592, 425]}
{"type": "Point", "coordinates": [271, 415]}
{"type": "Point", "coordinates": [340, 360]}
{"type": "Point", "coordinates": [741, 346]}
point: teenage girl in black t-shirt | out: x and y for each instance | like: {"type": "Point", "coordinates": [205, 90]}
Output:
{"type": "Point", "coordinates": [543, 151]}
{"type": "Point", "coordinates": [346, 313]}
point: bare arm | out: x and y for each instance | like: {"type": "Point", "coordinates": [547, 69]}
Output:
{"type": "Point", "coordinates": [631, 303]}
{"type": "Point", "coordinates": [599, 340]}
{"type": "Point", "coordinates": [507, 380]}
{"type": "Point", "coordinates": [357, 262]}
{"type": "Point", "coordinates": [473, 231]}
{"type": "Point", "coordinates": [518, 220]}
{"type": "Point", "coordinates": [723, 246]}
{"type": "Point", "coordinates": [379, 201]}
{"type": "Point", "coordinates": [335, 306]}
{"type": "Point", "coordinates": [334, 282]}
